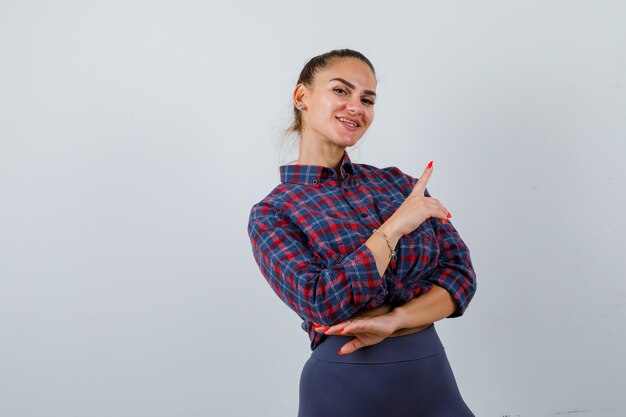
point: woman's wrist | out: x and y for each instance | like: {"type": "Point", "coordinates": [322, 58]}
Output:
{"type": "Point", "coordinates": [398, 319]}
{"type": "Point", "coordinates": [392, 233]}
{"type": "Point", "coordinates": [400, 325]}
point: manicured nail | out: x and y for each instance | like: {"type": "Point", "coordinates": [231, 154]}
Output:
{"type": "Point", "coordinates": [339, 352]}
{"type": "Point", "coordinates": [317, 326]}
{"type": "Point", "coordinates": [449, 215]}
{"type": "Point", "coordinates": [341, 330]}
{"type": "Point", "coordinates": [430, 164]}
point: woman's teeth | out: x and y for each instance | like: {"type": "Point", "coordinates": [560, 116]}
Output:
{"type": "Point", "coordinates": [347, 121]}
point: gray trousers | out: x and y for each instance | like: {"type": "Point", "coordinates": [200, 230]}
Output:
{"type": "Point", "coordinates": [403, 376]}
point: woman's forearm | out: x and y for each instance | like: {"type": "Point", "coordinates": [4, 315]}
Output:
{"type": "Point", "coordinates": [379, 248]}
{"type": "Point", "coordinates": [435, 305]}
{"type": "Point", "coordinates": [428, 308]}
{"type": "Point", "coordinates": [413, 316]}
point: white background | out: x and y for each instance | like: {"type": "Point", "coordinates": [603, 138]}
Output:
{"type": "Point", "coordinates": [135, 136]}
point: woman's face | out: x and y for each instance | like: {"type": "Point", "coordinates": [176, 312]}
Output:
{"type": "Point", "coordinates": [340, 103]}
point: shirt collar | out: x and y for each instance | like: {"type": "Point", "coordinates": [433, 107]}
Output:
{"type": "Point", "coordinates": [314, 174]}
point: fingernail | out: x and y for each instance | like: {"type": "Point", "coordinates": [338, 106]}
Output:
{"type": "Point", "coordinates": [339, 352]}
{"type": "Point", "coordinates": [430, 164]}
{"type": "Point", "coordinates": [449, 215]}
{"type": "Point", "coordinates": [341, 331]}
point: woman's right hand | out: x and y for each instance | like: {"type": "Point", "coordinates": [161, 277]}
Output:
{"type": "Point", "coordinates": [416, 208]}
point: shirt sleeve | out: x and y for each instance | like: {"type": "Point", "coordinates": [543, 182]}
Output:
{"type": "Point", "coordinates": [454, 271]}
{"type": "Point", "coordinates": [325, 294]}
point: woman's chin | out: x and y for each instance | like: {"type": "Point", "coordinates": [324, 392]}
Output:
{"type": "Point", "coordinates": [348, 140]}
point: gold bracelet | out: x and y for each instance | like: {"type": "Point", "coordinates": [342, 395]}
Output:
{"type": "Point", "coordinates": [392, 253]}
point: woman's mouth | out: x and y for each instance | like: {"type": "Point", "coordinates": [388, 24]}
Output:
{"type": "Point", "coordinates": [348, 124]}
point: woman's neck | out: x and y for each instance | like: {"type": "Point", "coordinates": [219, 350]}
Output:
{"type": "Point", "coordinates": [320, 153]}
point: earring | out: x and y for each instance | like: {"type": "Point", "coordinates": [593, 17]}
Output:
{"type": "Point", "coordinates": [301, 106]}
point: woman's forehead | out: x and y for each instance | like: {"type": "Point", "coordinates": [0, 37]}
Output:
{"type": "Point", "coordinates": [354, 71]}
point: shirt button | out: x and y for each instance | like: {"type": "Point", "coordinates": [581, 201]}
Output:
{"type": "Point", "coordinates": [314, 181]}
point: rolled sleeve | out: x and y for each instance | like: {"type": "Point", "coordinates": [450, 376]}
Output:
{"type": "Point", "coordinates": [325, 294]}
{"type": "Point", "coordinates": [454, 271]}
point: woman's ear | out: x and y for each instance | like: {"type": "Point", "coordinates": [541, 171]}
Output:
{"type": "Point", "coordinates": [300, 95]}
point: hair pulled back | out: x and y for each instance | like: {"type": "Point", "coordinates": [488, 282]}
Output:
{"type": "Point", "coordinates": [311, 68]}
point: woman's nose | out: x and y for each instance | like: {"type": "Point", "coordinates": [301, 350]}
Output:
{"type": "Point", "coordinates": [354, 108]}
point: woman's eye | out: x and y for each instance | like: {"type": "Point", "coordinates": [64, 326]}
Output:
{"type": "Point", "coordinates": [369, 102]}
{"type": "Point", "coordinates": [340, 89]}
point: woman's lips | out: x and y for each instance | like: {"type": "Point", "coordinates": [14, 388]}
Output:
{"type": "Point", "coordinates": [348, 126]}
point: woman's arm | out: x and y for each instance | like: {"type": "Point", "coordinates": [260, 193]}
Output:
{"type": "Point", "coordinates": [454, 270]}
{"type": "Point", "coordinates": [436, 304]}
{"type": "Point", "coordinates": [326, 294]}
{"type": "Point", "coordinates": [433, 306]}
{"type": "Point", "coordinates": [451, 286]}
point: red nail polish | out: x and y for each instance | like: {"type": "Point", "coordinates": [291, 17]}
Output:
{"type": "Point", "coordinates": [449, 215]}
{"type": "Point", "coordinates": [317, 326]}
{"type": "Point", "coordinates": [430, 164]}
{"type": "Point", "coordinates": [339, 352]}
{"type": "Point", "coordinates": [341, 331]}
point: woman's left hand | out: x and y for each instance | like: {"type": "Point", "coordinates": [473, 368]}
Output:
{"type": "Point", "coordinates": [367, 331]}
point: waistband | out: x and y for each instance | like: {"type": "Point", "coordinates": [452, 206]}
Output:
{"type": "Point", "coordinates": [393, 349]}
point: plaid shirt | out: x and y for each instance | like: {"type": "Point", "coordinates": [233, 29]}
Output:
{"type": "Point", "coordinates": [308, 239]}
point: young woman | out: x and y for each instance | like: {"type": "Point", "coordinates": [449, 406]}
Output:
{"type": "Point", "coordinates": [364, 255]}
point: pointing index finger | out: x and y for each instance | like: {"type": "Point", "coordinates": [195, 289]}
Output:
{"type": "Point", "coordinates": [420, 186]}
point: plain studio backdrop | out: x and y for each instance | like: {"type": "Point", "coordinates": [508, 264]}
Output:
{"type": "Point", "coordinates": [135, 137]}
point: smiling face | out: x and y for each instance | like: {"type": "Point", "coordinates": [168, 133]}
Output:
{"type": "Point", "coordinates": [339, 104]}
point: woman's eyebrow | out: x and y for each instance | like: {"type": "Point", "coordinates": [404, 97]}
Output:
{"type": "Point", "coordinates": [368, 92]}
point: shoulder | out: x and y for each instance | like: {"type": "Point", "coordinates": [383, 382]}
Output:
{"type": "Point", "coordinates": [273, 205]}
